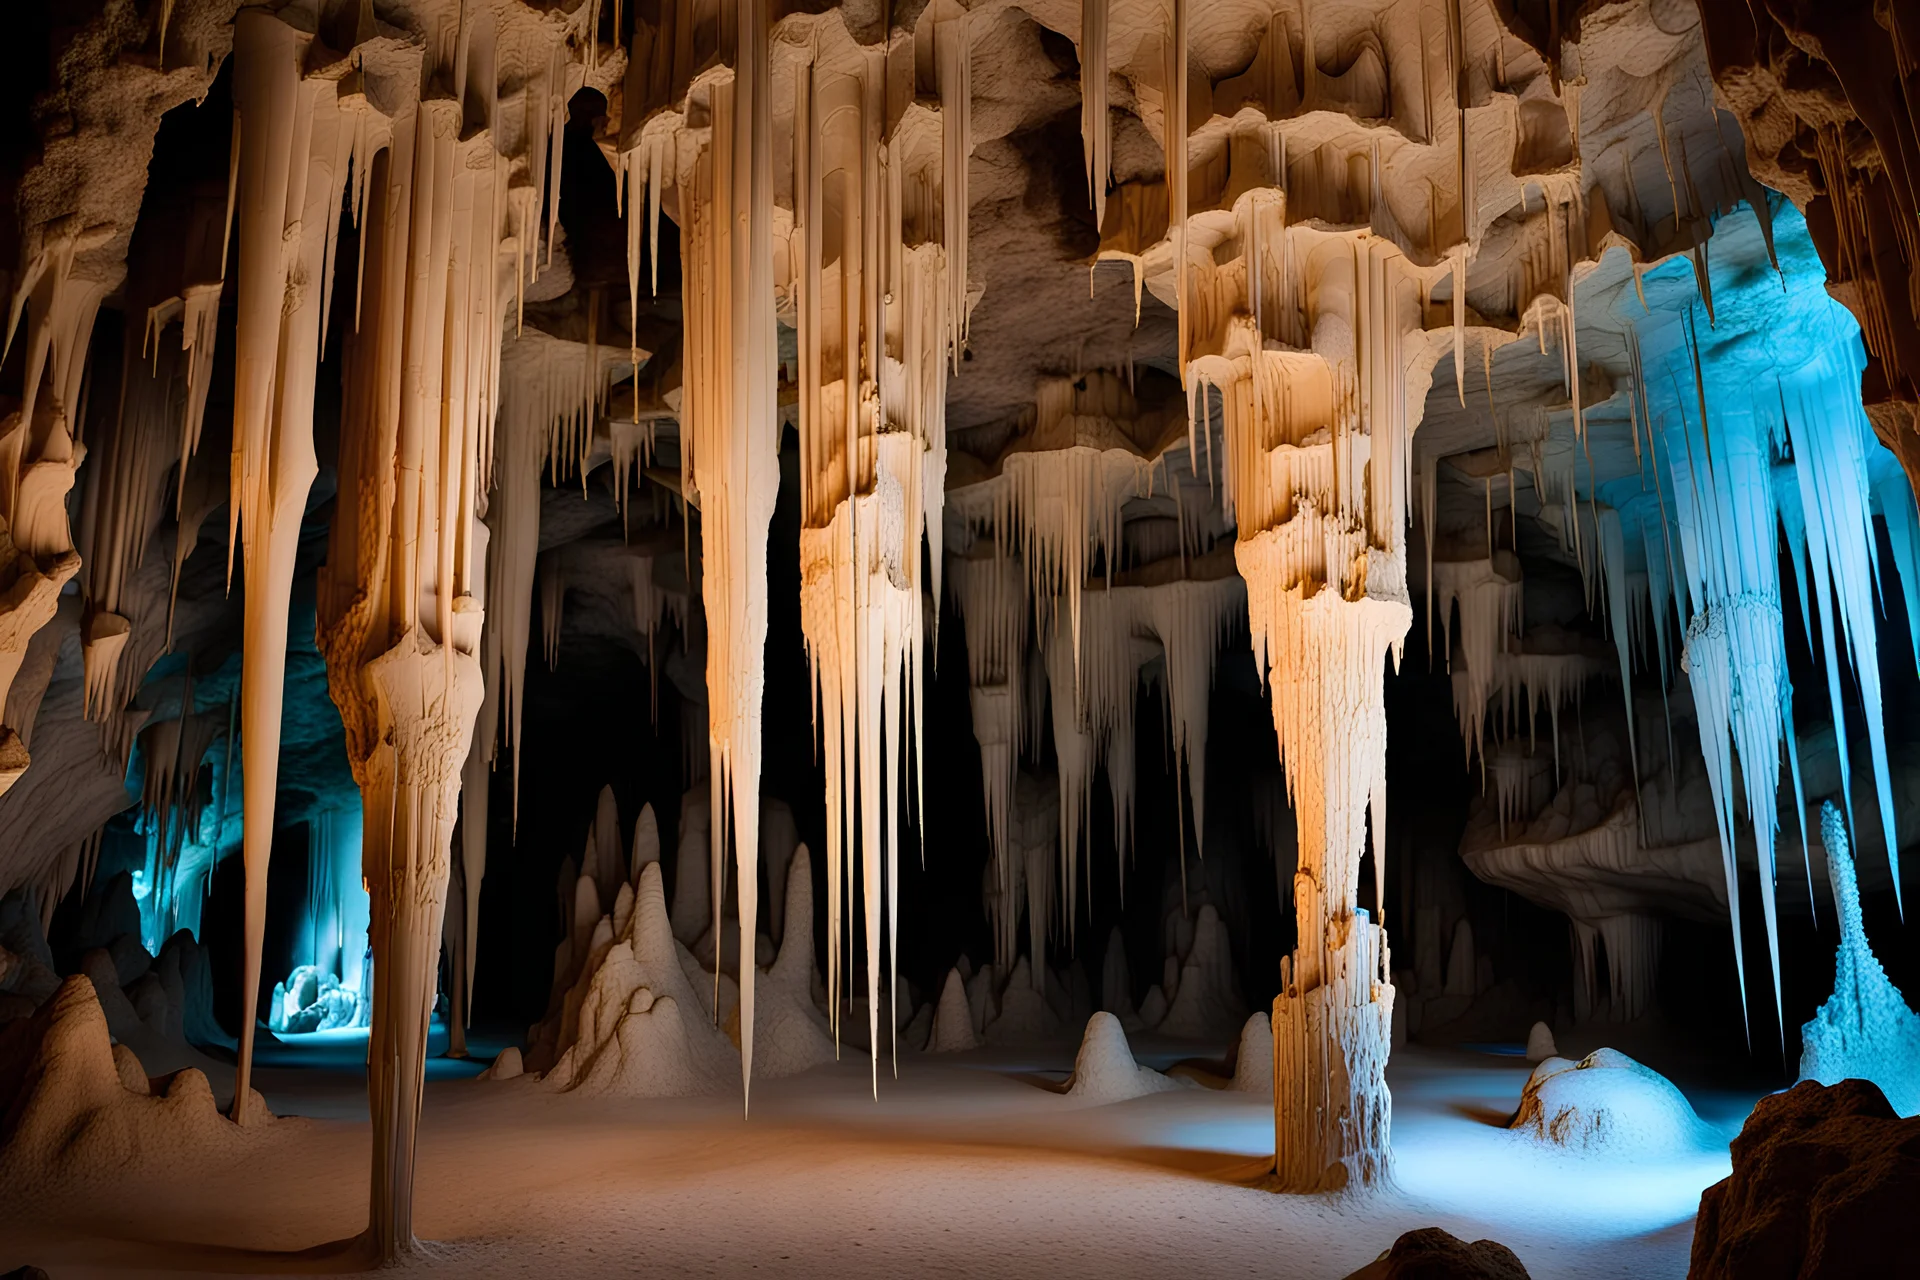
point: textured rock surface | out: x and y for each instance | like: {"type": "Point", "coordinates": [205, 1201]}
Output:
{"type": "Point", "coordinates": [1824, 1180]}
{"type": "Point", "coordinates": [1104, 1069]}
{"type": "Point", "coordinates": [1608, 1104]}
{"type": "Point", "coordinates": [1433, 1254]}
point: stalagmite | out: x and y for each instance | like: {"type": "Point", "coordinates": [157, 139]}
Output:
{"type": "Point", "coordinates": [1865, 1029]}
{"type": "Point", "coordinates": [297, 135]}
{"type": "Point", "coordinates": [1105, 1071]}
{"type": "Point", "coordinates": [952, 1020]}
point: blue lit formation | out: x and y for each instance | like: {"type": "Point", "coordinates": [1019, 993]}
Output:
{"type": "Point", "coordinates": [1749, 424]}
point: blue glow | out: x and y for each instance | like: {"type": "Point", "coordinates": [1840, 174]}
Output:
{"type": "Point", "coordinates": [1753, 427]}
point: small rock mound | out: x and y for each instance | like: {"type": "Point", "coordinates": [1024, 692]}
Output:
{"type": "Point", "coordinates": [1540, 1045]}
{"type": "Point", "coordinates": [1433, 1254]}
{"type": "Point", "coordinates": [1607, 1103]}
{"type": "Point", "coordinates": [1825, 1181]}
{"type": "Point", "coordinates": [953, 1019]}
{"type": "Point", "coordinates": [74, 1110]}
{"type": "Point", "coordinates": [1104, 1069]}
{"type": "Point", "coordinates": [508, 1066]}
{"type": "Point", "coordinates": [1253, 1066]}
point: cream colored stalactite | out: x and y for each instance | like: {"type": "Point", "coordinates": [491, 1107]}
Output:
{"type": "Point", "coordinates": [399, 598]}
{"type": "Point", "coordinates": [553, 602]}
{"type": "Point", "coordinates": [730, 466]}
{"type": "Point", "coordinates": [1061, 501]}
{"type": "Point", "coordinates": [1174, 122]}
{"type": "Point", "coordinates": [547, 388]}
{"type": "Point", "coordinates": [476, 776]}
{"type": "Point", "coordinates": [879, 319]}
{"type": "Point", "coordinates": [1490, 594]}
{"type": "Point", "coordinates": [296, 144]}
{"type": "Point", "coordinates": [1192, 620]}
{"type": "Point", "coordinates": [125, 504]}
{"type": "Point", "coordinates": [991, 594]}
{"type": "Point", "coordinates": [38, 457]}
{"type": "Point", "coordinates": [1184, 622]}
{"type": "Point", "coordinates": [1096, 137]}
{"type": "Point", "coordinates": [1076, 755]}
{"type": "Point", "coordinates": [125, 499]}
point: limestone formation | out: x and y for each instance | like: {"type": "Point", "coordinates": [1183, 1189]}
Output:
{"type": "Point", "coordinates": [1865, 1030]}
{"type": "Point", "coordinates": [1608, 1104]}
{"type": "Point", "coordinates": [1104, 1069]}
{"type": "Point", "coordinates": [1458, 321]}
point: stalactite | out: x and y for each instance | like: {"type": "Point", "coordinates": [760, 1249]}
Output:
{"type": "Point", "coordinates": [1832, 442]}
{"type": "Point", "coordinates": [296, 144]}
{"type": "Point", "coordinates": [1489, 594]}
{"type": "Point", "coordinates": [1096, 136]}
{"type": "Point", "coordinates": [38, 455]}
{"type": "Point", "coordinates": [170, 756]}
{"type": "Point", "coordinates": [1062, 484]}
{"type": "Point", "coordinates": [730, 468]}
{"type": "Point", "coordinates": [175, 277]}
{"type": "Point", "coordinates": [991, 594]}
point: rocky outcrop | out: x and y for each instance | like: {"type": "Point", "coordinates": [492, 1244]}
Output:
{"type": "Point", "coordinates": [1825, 1179]}
{"type": "Point", "coordinates": [1433, 1254]}
{"type": "Point", "coordinates": [76, 1110]}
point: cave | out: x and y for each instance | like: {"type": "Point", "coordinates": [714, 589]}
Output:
{"type": "Point", "coordinates": [1144, 637]}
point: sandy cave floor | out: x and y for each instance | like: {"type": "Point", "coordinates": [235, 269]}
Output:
{"type": "Point", "coordinates": [969, 1165]}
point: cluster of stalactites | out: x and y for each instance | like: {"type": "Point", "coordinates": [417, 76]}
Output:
{"type": "Point", "coordinates": [1489, 594]}
{"type": "Point", "coordinates": [1184, 623]}
{"type": "Point", "coordinates": [879, 301]}
{"type": "Point", "coordinates": [165, 381]}
{"type": "Point", "coordinates": [1061, 501]}
{"type": "Point", "coordinates": [1735, 653]}
{"type": "Point", "coordinates": [1730, 500]}
{"type": "Point", "coordinates": [172, 805]}
{"type": "Point", "coordinates": [990, 593]}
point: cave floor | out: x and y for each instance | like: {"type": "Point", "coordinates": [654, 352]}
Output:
{"type": "Point", "coordinates": [968, 1165]}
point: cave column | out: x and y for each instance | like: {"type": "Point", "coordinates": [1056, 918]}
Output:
{"type": "Point", "coordinates": [1332, 1021]}
{"type": "Point", "coordinates": [400, 610]}
{"type": "Point", "coordinates": [1317, 442]}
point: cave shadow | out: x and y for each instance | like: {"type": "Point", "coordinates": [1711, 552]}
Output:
{"type": "Point", "coordinates": [1492, 1117]}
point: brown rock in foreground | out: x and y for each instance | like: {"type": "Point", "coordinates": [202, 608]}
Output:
{"type": "Point", "coordinates": [1432, 1254]}
{"type": "Point", "coordinates": [1825, 1181]}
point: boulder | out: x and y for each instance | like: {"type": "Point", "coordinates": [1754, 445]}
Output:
{"type": "Point", "coordinates": [1433, 1254]}
{"type": "Point", "coordinates": [1824, 1178]}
